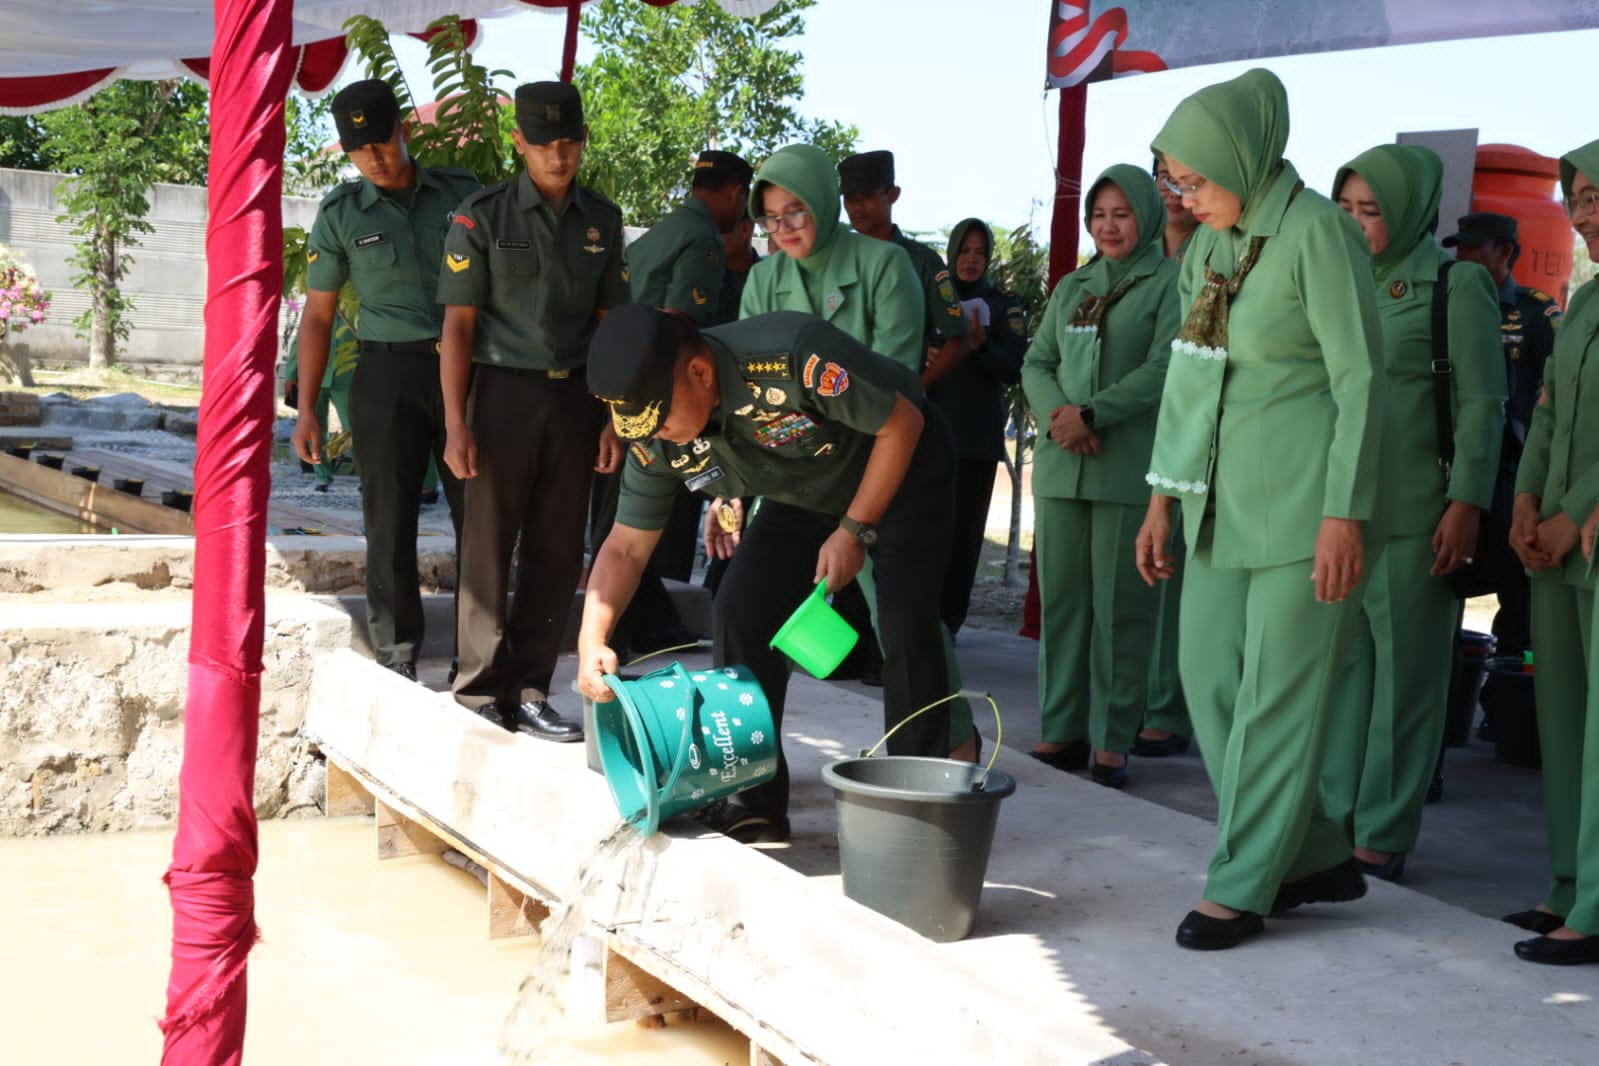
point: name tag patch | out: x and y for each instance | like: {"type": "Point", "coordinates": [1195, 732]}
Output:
{"type": "Point", "coordinates": [694, 484]}
{"type": "Point", "coordinates": [515, 246]}
{"type": "Point", "coordinates": [369, 240]}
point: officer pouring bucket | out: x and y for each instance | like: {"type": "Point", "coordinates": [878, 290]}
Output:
{"type": "Point", "coordinates": [674, 740]}
{"type": "Point", "coordinates": [914, 834]}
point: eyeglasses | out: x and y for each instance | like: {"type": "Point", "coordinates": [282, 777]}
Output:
{"type": "Point", "coordinates": [791, 220]}
{"type": "Point", "coordinates": [1586, 204]}
{"type": "Point", "coordinates": [1182, 190]}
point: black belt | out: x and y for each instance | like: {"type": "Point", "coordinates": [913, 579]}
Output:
{"type": "Point", "coordinates": [530, 372]}
{"type": "Point", "coordinates": [427, 347]}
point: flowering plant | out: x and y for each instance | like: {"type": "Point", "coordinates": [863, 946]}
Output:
{"type": "Point", "coordinates": [22, 302]}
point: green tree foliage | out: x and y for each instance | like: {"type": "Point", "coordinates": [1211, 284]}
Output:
{"type": "Point", "coordinates": [24, 144]}
{"type": "Point", "coordinates": [310, 166]}
{"type": "Point", "coordinates": [668, 82]}
{"type": "Point", "coordinates": [115, 145]}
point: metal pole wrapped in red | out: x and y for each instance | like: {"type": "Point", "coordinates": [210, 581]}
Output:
{"type": "Point", "coordinates": [214, 854]}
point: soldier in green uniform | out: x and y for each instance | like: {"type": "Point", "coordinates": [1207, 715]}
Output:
{"type": "Point", "coordinates": [530, 266]}
{"type": "Point", "coordinates": [1269, 432]}
{"type": "Point", "coordinates": [1528, 319]}
{"type": "Point", "coordinates": [971, 393]}
{"type": "Point", "coordinates": [1383, 743]}
{"type": "Point", "coordinates": [335, 391]}
{"type": "Point", "coordinates": [851, 463]}
{"type": "Point", "coordinates": [384, 234]}
{"type": "Point", "coordinates": [867, 182]}
{"type": "Point", "coordinates": [1093, 377]}
{"type": "Point", "coordinates": [1557, 488]}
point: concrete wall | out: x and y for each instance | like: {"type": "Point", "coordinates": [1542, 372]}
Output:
{"type": "Point", "coordinates": [166, 282]}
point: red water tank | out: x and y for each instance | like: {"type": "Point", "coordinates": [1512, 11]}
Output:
{"type": "Point", "coordinates": [1518, 182]}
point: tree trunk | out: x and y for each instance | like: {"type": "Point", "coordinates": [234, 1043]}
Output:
{"type": "Point", "coordinates": [102, 335]}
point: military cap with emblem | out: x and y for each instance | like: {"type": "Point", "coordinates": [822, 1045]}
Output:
{"type": "Point", "coordinates": [866, 172]}
{"type": "Point", "coordinates": [1480, 227]}
{"type": "Point", "coordinates": [549, 111]}
{"type": "Point", "coordinates": [631, 362]}
{"type": "Point", "coordinates": [717, 170]}
{"type": "Point", "coordinates": [365, 113]}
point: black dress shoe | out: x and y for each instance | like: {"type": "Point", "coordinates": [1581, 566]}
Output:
{"type": "Point", "coordinates": [1072, 758]}
{"type": "Point", "coordinates": [1391, 870]}
{"type": "Point", "coordinates": [1336, 884]}
{"type": "Point", "coordinates": [490, 712]}
{"type": "Point", "coordinates": [1110, 776]}
{"type": "Point", "coordinates": [1160, 749]}
{"type": "Point", "coordinates": [1535, 921]}
{"type": "Point", "coordinates": [736, 821]}
{"type": "Point", "coordinates": [1200, 932]}
{"type": "Point", "coordinates": [1552, 952]}
{"type": "Point", "coordinates": [538, 719]}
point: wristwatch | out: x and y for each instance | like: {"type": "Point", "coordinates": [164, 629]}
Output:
{"type": "Point", "coordinates": [1086, 413]}
{"type": "Point", "coordinates": [865, 535]}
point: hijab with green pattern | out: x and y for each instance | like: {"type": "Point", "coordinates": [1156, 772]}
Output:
{"type": "Point", "coordinates": [810, 174]}
{"type": "Point", "coordinates": [1407, 181]}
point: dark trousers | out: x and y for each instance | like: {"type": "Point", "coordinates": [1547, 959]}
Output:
{"type": "Point", "coordinates": [772, 572]}
{"type": "Point", "coordinates": [651, 612]}
{"type": "Point", "coordinates": [397, 426]}
{"type": "Point", "coordinates": [536, 442]}
{"type": "Point", "coordinates": [1512, 624]}
{"type": "Point", "coordinates": [974, 490]}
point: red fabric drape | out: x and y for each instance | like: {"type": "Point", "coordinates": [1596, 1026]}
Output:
{"type": "Point", "coordinates": [215, 852]}
{"type": "Point", "coordinates": [26, 94]}
{"type": "Point", "coordinates": [574, 11]}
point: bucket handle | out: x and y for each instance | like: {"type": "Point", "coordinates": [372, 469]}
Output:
{"type": "Point", "coordinates": [682, 742]}
{"type": "Point", "coordinates": [999, 729]}
{"type": "Point", "coordinates": [650, 813]}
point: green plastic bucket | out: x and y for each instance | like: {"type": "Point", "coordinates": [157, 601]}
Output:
{"type": "Point", "coordinates": [674, 740]}
{"type": "Point", "coordinates": [816, 636]}
{"type": "Point", "coordinates": [914, 835]}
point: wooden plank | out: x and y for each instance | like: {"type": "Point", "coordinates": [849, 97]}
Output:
{"type": "Point", "coordinates": [346, 795]}
{"type": "Point", "coordinates": [399, 835]}
{"type": "Point", "coordinates": [512, 912]}
{"type": "Point", "coordinates": [59, 491]}
{"type": "Point", "coordinates": [633, 992]}
{"type": "Point", "coordinates": [759, 1056]}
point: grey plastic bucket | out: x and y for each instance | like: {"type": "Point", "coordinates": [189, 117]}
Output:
{"type": "Point", "coordinates": [914, 838]}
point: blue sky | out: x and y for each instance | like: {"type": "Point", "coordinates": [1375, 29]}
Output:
{"type": "Point", "coordinates": [955, 89]}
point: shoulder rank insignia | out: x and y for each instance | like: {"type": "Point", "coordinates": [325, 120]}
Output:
{"type": "Point", "coordinates": [834, 380]}
{"type": "Point", "coordinates": [699, 298]}
{"type": "Point", "coordinates": [457, 263]}
{"type": "Point", "coordinates": [767, 366]}
{"type": "Point", "coordinates": [809, 374]}
{"type": "Point", "coordinates": [644, 456]}
{"type": "Point", "coordinates": [1398, 289]}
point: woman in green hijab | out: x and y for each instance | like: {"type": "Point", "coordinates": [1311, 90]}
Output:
{"type": "Point", "coordinates": [1384, 740]}
{"type": "Point", "coordinates": [1557, 485]}
{"type": "Point", "coordinates": [1093, 377]}
{"type": "Point", "coordinates": [1268, 435]}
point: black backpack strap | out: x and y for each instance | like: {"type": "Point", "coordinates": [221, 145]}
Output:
{"type": "Point", "coordinates": [1442, 369]}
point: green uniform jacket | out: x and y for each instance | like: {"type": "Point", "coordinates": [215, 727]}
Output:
{"type": "Point", "coordinates": [536, 278]}
{"type": "Point", "coordinates": [944, 319]}
{"type": "Point", "coordinates": [1560, 464]}
{"type": "Point", "coordinates": [388, 252]}
{"type": "Point", "coordinates": [1123, 386]}
{"type": "Point", "coordinates": [1300, 430]}
{"type": "Point", "coordinates": [801, 404]}
{"type": "Point", "coordinates": [972, 396]}
{"type": "Point", "coordinates": [1414, 490]}
{"type": "Point", "coordinates": [679, 264]}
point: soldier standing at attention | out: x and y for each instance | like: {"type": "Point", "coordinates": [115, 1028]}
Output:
{"type": "Point", "coordinates": [867, 182]}
{"type": "Point", "coordinates": [1527, 327]}
{"type": "Point", "coordinates": [384, 234]}
{"type": "Point", "coordinates": [531, 265]}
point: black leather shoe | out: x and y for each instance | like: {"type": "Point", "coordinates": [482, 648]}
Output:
{"type": "Point", "coordinates": [405, 670]}
{"type": "Point", "coordinates": [1336, 884]}
{"type": "Point", "coordinates": [738, 822]}
{"type": "Point", "coordinates": [1535, 921]}
{"type": "Point", "coordinates": [490, 712]}
{"type": "Point", "coordinates": [1110, 776]}
{"type": "Point", "coordinates": [538, 719]}
{"type": "Point", "coordinates": [1391, 870]}
{"type": "Point", "coordinates": [1552, 952]}
{"type": "Point", "coordinates": [1160, 749]}
{"type": "Point", "coordinates": [1072, 758]}
{"type": "Point", "coordinates": [1200, 932]}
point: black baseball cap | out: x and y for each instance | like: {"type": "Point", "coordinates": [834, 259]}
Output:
{"type": "Point", "coordinates": [631, 362]}
{"type": "Point", "coordinates": [1482, 227]}
{"type": "Point", "coordinates": [717, 170]}
{"type": "Point", "coordinates": [866, 172]}
{"type": "Point", "coordinates": [549, 111]}
{"type": "Point", "coordinates": [365, 113]}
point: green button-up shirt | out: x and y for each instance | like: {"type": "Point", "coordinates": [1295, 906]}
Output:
{"type": "Point", "coordinates": [681, 264]}
{"type": "Point", "coordinates": [388, 251]}
{"type": "Point", "coordinates": [944, 319]}
{"type": "Point", "coordinates": [800, 408]}
{"type": "Point", "coordinates": [536, 275]}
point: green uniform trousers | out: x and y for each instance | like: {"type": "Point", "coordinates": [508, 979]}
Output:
{"type": "Point", "coordinates": [338, 395]}
{"type": "Point", "coordinates": [1568, 734]}
{"type": "Point", "coordinates": [961, 723]}
{"type": "Point", "coordinates": [1098, 622]}
{"type": "Point", "coordinates": [1383, 740]}
{"type": "Point", "coordinates": [1167, 709]}
{"type": "Point", "coordinates": [1260, 661]}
